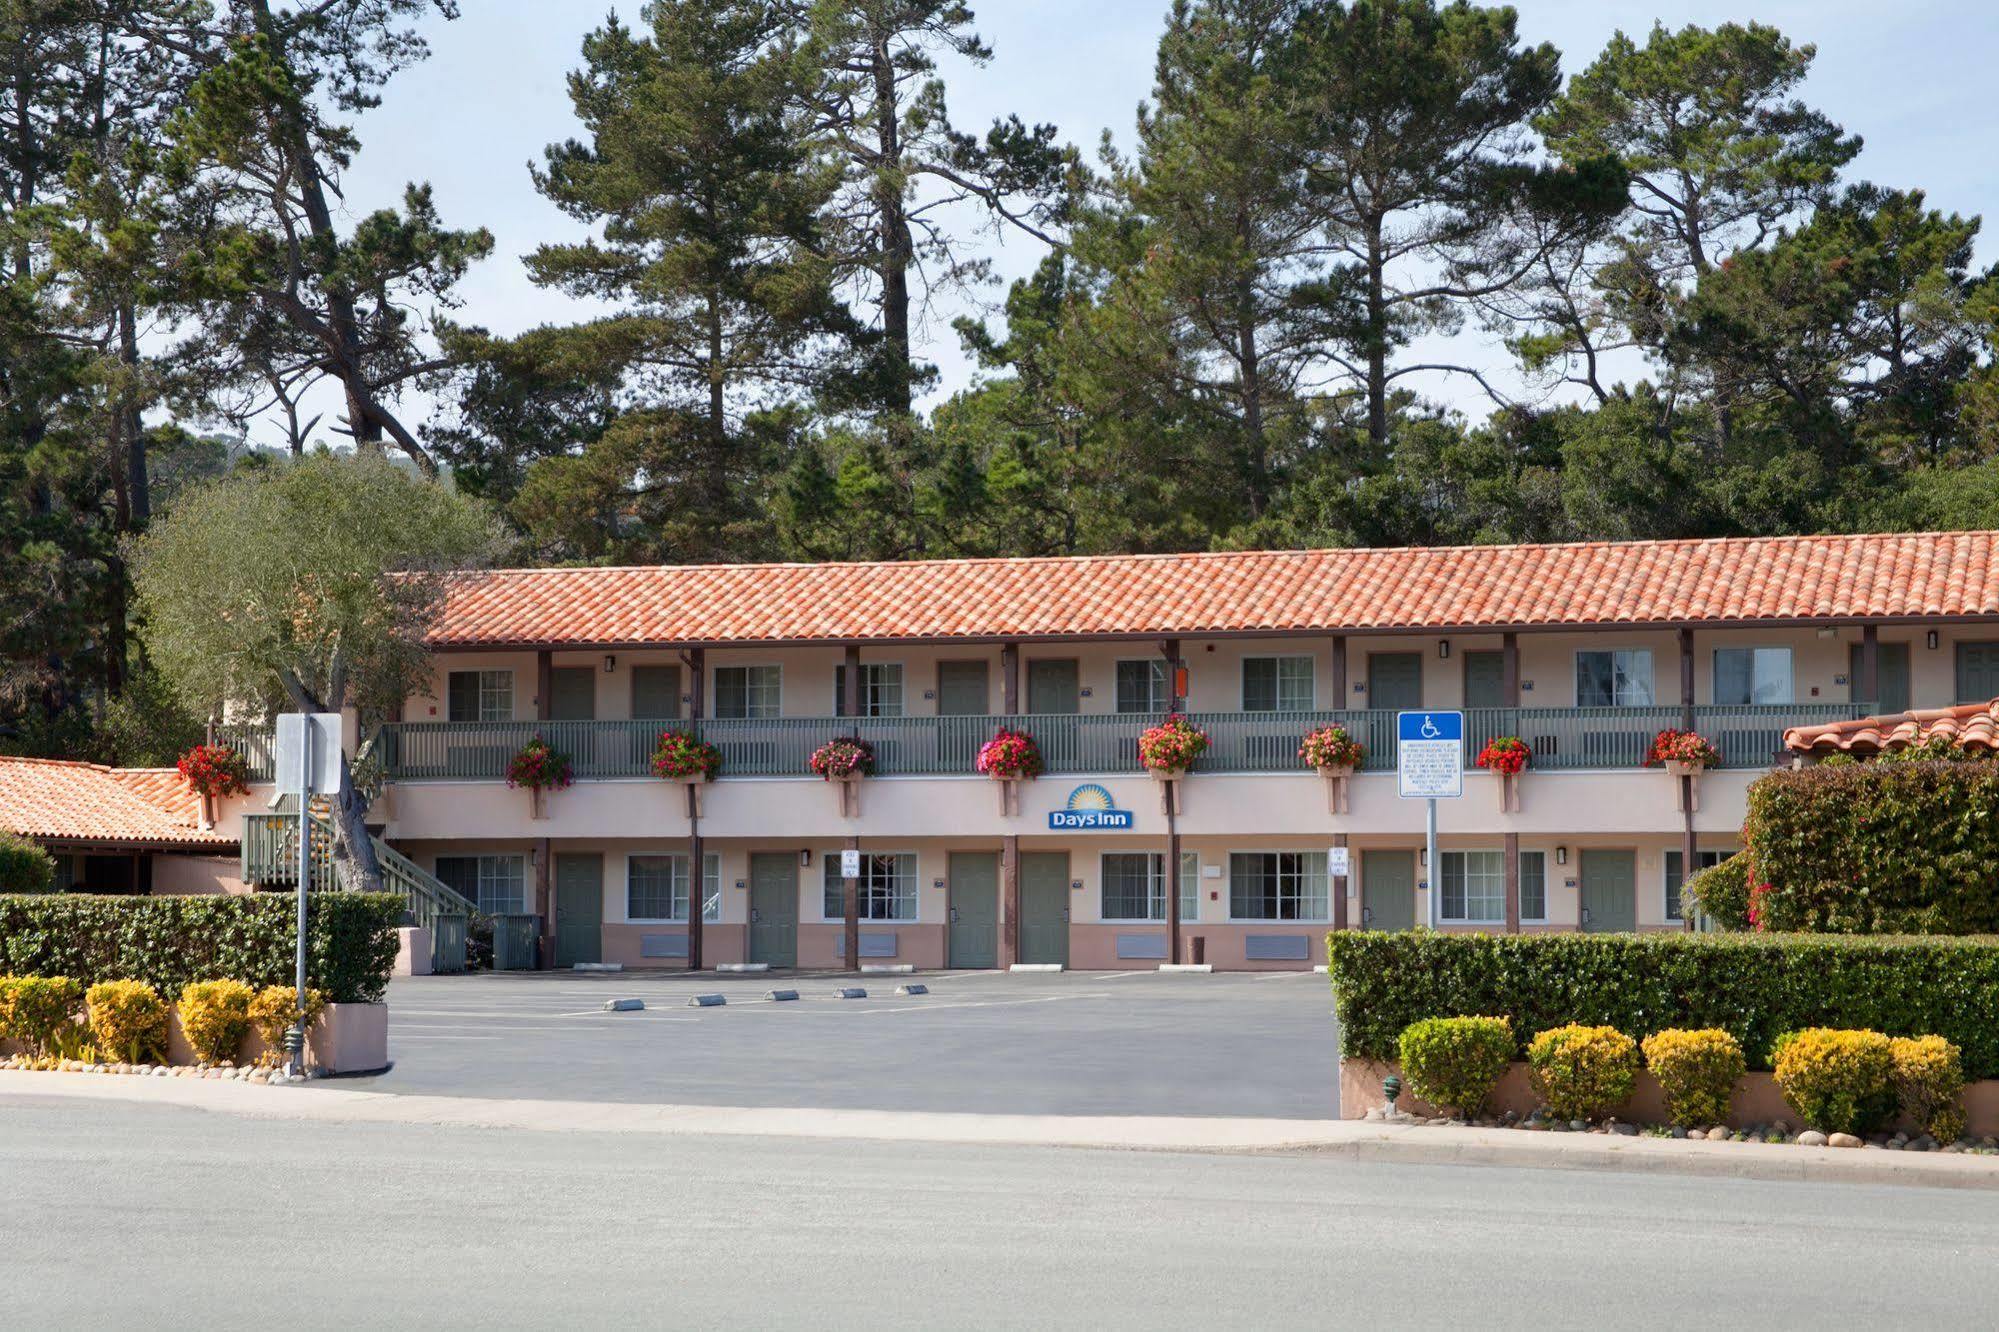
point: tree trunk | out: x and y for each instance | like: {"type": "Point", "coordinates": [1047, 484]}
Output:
{"type": "Point", "coordinates": [1377, 343]}
{"type": "Point", "coordinates": [354, 858]}
{"type": "Point", "coordinates": [896, 246]}
{"type": "Point", "coordinates": [138, 484]}
{"type": "Point", "coordinates": [1256, 452]}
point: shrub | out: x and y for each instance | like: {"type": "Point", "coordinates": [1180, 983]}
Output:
{"type": "Point", "coordinates": [215, 1017]}
{"type": "Point", "coordinates": [1887, 848]}
{"type": "Point", "coordinates": [273, 1011]}
{"type": "Point", "coordinates": [169, 941]}
{"type": "Point", "coordinates": [24, 866]}
{"type": "Point", "coordinates": [1722, 891]}
{"type": "Point", "coordinates": [1697, 1070]}
{"type": "Point", "coordinates": [1754, 986]}
{"type": "Point", "coordinates": [1582, 1072]}
{"type": "Point", "coordinates": [38, 1011]}
{"type": "Point", "coordinates": [1837, 1081]}
{"type": "Point", "coordinates": [1454, 1062]}
{"type": "Point", "coordinates": [1929, 1080]}
{"type": "Point", "coordinates": [128, 1020]}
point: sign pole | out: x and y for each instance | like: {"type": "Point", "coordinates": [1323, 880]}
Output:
{"type": "Point", "coordinates": [1430, 857]}
{"type": "Point", "coordinates": [304, 885]}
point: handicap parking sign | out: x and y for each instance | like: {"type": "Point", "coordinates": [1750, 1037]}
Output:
{"type": "Point", "coordinates": [1430, 755]}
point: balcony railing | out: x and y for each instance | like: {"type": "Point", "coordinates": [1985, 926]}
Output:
{"type": "Point", "coordinates": [1561, 738]}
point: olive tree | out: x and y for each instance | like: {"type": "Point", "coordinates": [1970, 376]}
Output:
{"type": "Point", "coordinates": [307, 585]}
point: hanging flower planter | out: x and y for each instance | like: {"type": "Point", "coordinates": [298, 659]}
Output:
{"type": "Point", "coordinates": [1167, 751]}
{"type": "Point", "coordinates": [1009, 758]}
{"type": "Point", "coordinates": [1334, 754]}
{"type": "Point", "coordinates": [693, 762]}
{"type": "Point", "coordinates": [845, 762]}
{"type": "Point", "coordinates": [1506, 756]}
{"type": "Point", "coordinates": [540, 769]}
{"type": "Point", "coordinates": [1684, 754]}
{"type": "Point", "coordinates": [214, 771]}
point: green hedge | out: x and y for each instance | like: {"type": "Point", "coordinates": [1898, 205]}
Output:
{"type": "Point", "coordinates": [169, 941]}
{"type": "Point", "coordinates": [1755, 986]}
{"type": "Point", "coordinates": [1883, 847]}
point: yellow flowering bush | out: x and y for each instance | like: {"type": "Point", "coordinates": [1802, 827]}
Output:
{"type": "Point", "coordinates": [1928, 1075]}
{"type": "Point", "coordinates": [274, 1010]}
{"type": "Point", "coordinates": [1582, 1072]}
{"type": "Point", "coordinates": [215, 1016]}
{"type": "Point", "coordinates": [128, 1021]}
{"type": "Point", "coordinates": [39, 1011]}
{"type": "Point", "coordinates": [1697, 1070]}
{"type": "Point", "coordinates": [1837, 1081]}
{"type": "Point", "coordinates": [1454, 1062]}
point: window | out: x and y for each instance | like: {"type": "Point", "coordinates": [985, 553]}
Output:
{"type": "Point", "coordinates": [747, 691]}
{"type": "Point", "coordinates": [656, 887]}
{"type": "Point", "coordinates": [1277, 885]}
{"type": "Point", "coordinates": [1752, 675]}
{"type": "Point", "coordinates": [656, 693]}
{"type": "Point", "coordinates": [1474, 886]}
{"type": "Point", "coordinates": [1614, 679]}
{"type": "Point", "coordinates": [496, 884]}
{"type": "Point", "coordinates": [881, 689]}
{"type": "Point", "coordinates": [480, 696]}
{"type": "Point", "coordinates": [1141, 686]}
{"type": "Point", "coordinates": [1277, 684]}
{"type": "Point", "coordinates": [1533, 885]}
{"type": "Point", "coordinates": [1675, 876]}
{"type": "Point", "coordinates": [1134, 886]}
{"type": "Point", "coordinates": [886, 887]}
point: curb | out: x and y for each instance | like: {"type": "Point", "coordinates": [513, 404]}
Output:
{"type": "Point", "coordinates": [1348, 1139]}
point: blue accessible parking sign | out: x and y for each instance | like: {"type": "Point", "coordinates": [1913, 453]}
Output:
{"type": "Point", "coordinates": [1430, 755]}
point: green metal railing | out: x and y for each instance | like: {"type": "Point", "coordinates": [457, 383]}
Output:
{"type": "Point", "coordinates": [270, 858]}
{"type": "Point", "coordinates": [1561, 738]}
{"type": "Point", "coordinates": [255, 741]}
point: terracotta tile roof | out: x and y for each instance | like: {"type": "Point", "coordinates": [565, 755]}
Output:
{"type": "Point", "coordinates": [61, 799]}
{"type": "Point", "coordinates": [1969, 726]}
{"type": "Point", "coordinates": [1948, 574]}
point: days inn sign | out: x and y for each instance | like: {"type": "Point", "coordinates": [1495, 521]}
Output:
{"type": "Point", "coordinates": [1089, 809]}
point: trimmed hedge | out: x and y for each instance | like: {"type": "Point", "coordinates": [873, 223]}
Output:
{"type": "Point", "coordinates": [1883, 847]}
{"type": "Point", "coordinates": [1754, 986]}
{"type": "Point", "coordinates": [169, 942]}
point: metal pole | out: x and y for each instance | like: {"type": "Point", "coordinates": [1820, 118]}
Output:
{"type": "Point", "coordinates": [1430, 853]}
{"type": "Point", "coordinates": [304, 885]}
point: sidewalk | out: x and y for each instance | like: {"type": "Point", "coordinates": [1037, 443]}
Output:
{"type": "Point", "coordinates": [1352, 1139]}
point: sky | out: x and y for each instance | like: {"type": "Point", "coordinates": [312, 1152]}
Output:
{"type": "Point", "coordinates": [1913, 78]}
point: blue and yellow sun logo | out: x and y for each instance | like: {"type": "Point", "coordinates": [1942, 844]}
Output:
{"type": "Point", "coordinates": [1090, 796]}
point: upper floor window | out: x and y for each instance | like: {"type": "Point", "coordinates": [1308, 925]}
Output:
{"type": "Point", "coordinates": [747, 691]}
{"type": "Point", "coordinates": [1752, 675]}
{"type": "Point", "coordinates": [1141, 685]}
{"type": "Point", "coordinates": [881, 689]}
{"type": "Point", "coordinates": [1474, 886]}
{"type": "Point", "coordinates": [1277, 684]}
{"type": "Point", "coordinates": [480, 696]}
{"type": "Point", "coordinates": [886, 887]}
{"type": "Point", "coordinates": [1621, 679]}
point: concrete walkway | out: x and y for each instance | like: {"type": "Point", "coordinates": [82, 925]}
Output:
{"type": "Point", "coordinates": [1348, 1139]}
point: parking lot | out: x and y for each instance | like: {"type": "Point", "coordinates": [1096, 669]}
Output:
{"type": "Point", "coordinates": [1076, 1043]}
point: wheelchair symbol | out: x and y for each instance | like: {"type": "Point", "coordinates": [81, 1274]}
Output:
{"type": "Point", "coordinates": [1430, 731]}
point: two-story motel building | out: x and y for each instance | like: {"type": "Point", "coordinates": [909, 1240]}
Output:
{"type": "Point", "coordinates": [1585, 651]}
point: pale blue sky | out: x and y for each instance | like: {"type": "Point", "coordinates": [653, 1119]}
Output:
{"type": "Point", "coordinates": [1914, 78]}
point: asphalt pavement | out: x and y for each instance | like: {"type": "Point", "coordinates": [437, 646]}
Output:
{"type": "Point", "coordinates": [122, 1215]}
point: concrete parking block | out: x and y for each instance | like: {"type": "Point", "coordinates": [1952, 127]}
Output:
{"type": "Point", "coordinates": [707, 1001]}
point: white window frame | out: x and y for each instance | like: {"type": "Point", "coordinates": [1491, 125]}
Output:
{"type": "Point", "coordinates": [489, 695]}
{"type": "Point", "coordinates": [1189, 887]}
{"type": "Point", "coordinates": [1311, 702]}
{"type": "Point", "coordinates": [874, 686]}
{"type": "Point", "coordinates": [1755, 652]}
{"type": "Point", "coordinates": [1465, 918]}
{"type": "Point", "coordinates": [485, 870]}
{"type": "Point", "coordinates": [1701, 861]}
{"type": "Point", "coordinates": [715, 691]}
{"type": "Point", "coordinates": [1651, 676]}
{"type": "Point", "coordinates": [1526, 919]}
{"type": "Point", "coordinates": [831, 873]}
{"type": "Point", "coordinates": [1325, 877]}
{"type": "Point", "coordinates": [711, 888]}
{"type": "Point", "coordinates": [1161, 680]}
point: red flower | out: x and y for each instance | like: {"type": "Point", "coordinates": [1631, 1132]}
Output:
{"type": "Point", "coordinates": [1506, 754]}
{"type": "Point", "coordinates": [215, 771]}
{"type": "Point", "coordinates": [1009, 754]}
{"type": "Point", "coordinates": [539, 768]}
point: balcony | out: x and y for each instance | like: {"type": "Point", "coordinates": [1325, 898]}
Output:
{"type": "Point", "coordinates": [1246, 742]}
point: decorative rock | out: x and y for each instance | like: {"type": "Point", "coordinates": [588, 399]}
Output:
{"type": "Point", "coordinates": [1779, 1126]}
{"type": "Point", "coordinates": [1811, 1138]}
{"type": "Point", "coordinates": [1577, 1126]}
{"type": "Point", "coordinates": [1843, 1140]}
{"type": "Point", "coordinates": [1440, 1121]}
{"type": "Point", "coordinates": [1373, 1115]}
{"type": "Point", "coordinates": [1625, 1130]}
{"type": "Point", "coordinates": [1678, 1132]}
{"type": "Point", "coordinates": [1697, 1135]}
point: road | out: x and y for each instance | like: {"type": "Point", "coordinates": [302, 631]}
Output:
{"type": "Point", "coordinates": [117, 1216]}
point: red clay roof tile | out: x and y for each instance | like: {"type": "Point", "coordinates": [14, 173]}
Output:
{"type": "Point", "coordinates": [62, 799]}
{"type": "Point", "coordinates": [1968, 726]}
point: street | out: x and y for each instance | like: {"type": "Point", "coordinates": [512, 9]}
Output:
{"type": "Point", "coordinates": [123, 1215]}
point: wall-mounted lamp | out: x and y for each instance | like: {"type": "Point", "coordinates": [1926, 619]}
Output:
{"type": "Point", "coordinates": [1444, 648]}
{"type": "Point", "coordinates": [1930, 640]}
{"type": "Point", "coordinates": [610, 663]}
{"type": "Point", "coordinates": [1423, 856]}
{"type": "Point", "coordinates": [1561, 855]}
{"type": "Point", "coordinates": [805, 858]}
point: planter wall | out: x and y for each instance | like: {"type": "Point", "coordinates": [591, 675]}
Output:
{"type": "Point", "coordinates": [347, 1038]}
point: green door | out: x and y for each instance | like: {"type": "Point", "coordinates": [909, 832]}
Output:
{"type": "Point", "coordinates": [974, 938]}
{"type": "Point", "coordinates": [1044, 907]}
{"type": "Point", "coordinates": [572, 694]}
{"type": "Point", "coordinates": [961, 689]}
{"type": "Point", "coordinates": [774, 908]}
{"type": "Point", "coordinates": [1610, 891]}
{"type": "Point", "coordinates": [1891, 677]}
{"type": "Point", "coordinates": [579, 908]}
{"type": "Point", "coordinates": [1977, 672]}
{"type": "Point", "coordinates": [1388, 890]}
{"type": "Point", "coordinates": [1395, 680]}
{"type": "Point", "coordinates": [1485, 679]}
{"type": "Point", "coordinates": [1052, 686]}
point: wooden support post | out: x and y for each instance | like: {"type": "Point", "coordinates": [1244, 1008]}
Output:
{"type": "Point", "coordinates": [544, 901]}
{"type": "Point", "coordinates": [1509, 669]}
{"type": "Point", "coordinates": [1867, 689]}
{"type": "Point", "coordinates": [1176, 666]}
{"type": "Point", "coordinates": [1340, 889]}
{"type": "Point", "coordinates": [853, 913]}
{"type": "Point", "coordinates": [1009, 900]}
{"type": "Point", "coordinates": [1687, 797]}
{"type": "Point", "coordinates": [1339, 672]}
{"type": "Point", "coordinates": [850, 686]}
{"type": "Point", "coordinates": [696, 661]}
{"type": "Point", "coordinates": [1172, 886]}
{"type": "Point", "coordinates": [1512, 853]}
{"type": "Point", "coordinates": [697, 880]}
{"type": "Point", "coordinates": [1010, 679]}
{"type": "Point", "coordinates": [544, 684]}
